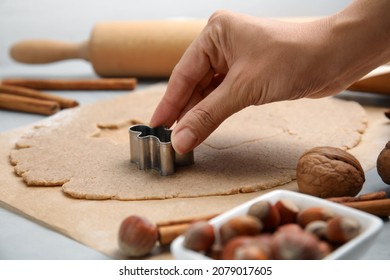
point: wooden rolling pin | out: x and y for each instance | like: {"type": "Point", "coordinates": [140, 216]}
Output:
{"type": "Point", "coordinates": [377, 81]}
{"type": "Point", "coordinates": [120, 48]}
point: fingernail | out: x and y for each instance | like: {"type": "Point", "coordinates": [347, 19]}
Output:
{"type": "Point", "coordinates": [184, 140]}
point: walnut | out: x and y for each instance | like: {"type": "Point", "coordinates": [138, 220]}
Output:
{"type": "Point", "coordinates": [383, 164]}
{"type": "Point", "coordinates": [329, 172]}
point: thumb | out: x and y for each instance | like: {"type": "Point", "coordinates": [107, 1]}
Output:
{"type": "Point", "coordinates": [199, 122]}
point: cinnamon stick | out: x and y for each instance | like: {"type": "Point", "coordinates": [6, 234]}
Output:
{"type": "Point", "coordinates": [378, 207]}
{"type": "Point", "coordinates": [27, 104]}
{"type": "Point", "coordinates": [169, 230]}
{"type": "Point", "coordinates": [69, 84]}
{"type": "Point", "coordinates": [362, 197]}
{"type": "Point", "coordinates": [27, 92]}
{"type": "Point", "coordinates": [168, 233]}
{"type": "Point", "coordinates": [186, 220]}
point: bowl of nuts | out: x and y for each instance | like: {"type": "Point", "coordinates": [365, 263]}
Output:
{"type": "Point", "coordinates": [281, 225]}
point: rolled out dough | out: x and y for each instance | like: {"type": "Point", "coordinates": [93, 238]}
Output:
{"type": "Point", "coordinates": [86, 150]}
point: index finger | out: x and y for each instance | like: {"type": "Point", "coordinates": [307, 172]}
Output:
{"type": "Point", "coordinates": [192, 70]}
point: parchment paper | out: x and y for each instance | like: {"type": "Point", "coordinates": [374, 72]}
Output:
{"type": "Point", "coordinates": [96, 223]}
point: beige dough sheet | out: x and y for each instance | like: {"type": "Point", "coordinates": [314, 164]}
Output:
{"type": "Point", "coordinates": [95, 222]}
{"type": "Point", "coordinates": [86, 150]}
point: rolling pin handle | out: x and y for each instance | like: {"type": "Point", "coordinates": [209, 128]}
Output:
{"type": "Point", "coordinates": [47, 51]}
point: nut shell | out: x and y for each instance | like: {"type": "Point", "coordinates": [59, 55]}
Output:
{"type": "Point", "coordinates": [229, 249]}
{"type": "Point", "coordinates": [248, 248]}
{"type": "Point", "coordinates": [137, 236]}
{"type": "Point", "coordinates": [317, 228]}
{"type": "Point", "coordinates": [383, 164]}
{"type": "Point", "coordinates": [240, 225]}
{"type": "Point", "coordinates": [329, 172]}
{"type": "Point", "coordinates": [288, 211]}
{"type": "Point", "coordinates": [312, 214]}
{"type": "Point", "coordinates": [342, 229]}
{"type": "Point", "coordinates": [299, 245]}
{"type": "Point", "coordinates": [251, 252]}
{"type": "Point", "coordinates": [290, 228]}
{"type": "Point", "coordinates": [199, 236]}
{"type": "Point", "coordinates": [266, 213]}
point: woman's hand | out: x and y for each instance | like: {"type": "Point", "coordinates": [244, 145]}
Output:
{"type": "Point", "coordinates": [238, 61]}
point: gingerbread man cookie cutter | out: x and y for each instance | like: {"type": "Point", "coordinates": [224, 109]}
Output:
{"type": "Point", "coordinates": [151, 148]}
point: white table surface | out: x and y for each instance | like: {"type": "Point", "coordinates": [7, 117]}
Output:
{"type": "Point", "coordinates": [21, 238]}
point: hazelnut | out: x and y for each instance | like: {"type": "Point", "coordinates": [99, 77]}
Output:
{"type": "Point", "coordinates": [288, 211]}
{"type": "Point", "coordinates": [317, 228]}
{"type": "Point", "coordinates": [266, 213]}
{"type": "Point", "coordinates": [300, 245]}
{"type": "Point", "coordinates": [229, 249]}
{"type": "Point", "coordinates": [248, 248]}
{"type": "Point", "coordinates": [290, 228]}
{"type": "Point", "coordinates": [329, 172]}
{"type": "Point", "coordinates": [311, 214]}
{"type": "Point", "coordinates": [383, 164]}
{"type": "Point", "coordinates": [251, 252]}
{"type": "Point", "coordinates": [342, 229]}
{"type": "Point", "coordinates": [137, 236]}
{"type": "Point", "coordinates": [199, 236]}
{"type": "Point", "coordinates": [325, 248]}
{"type": "Point", "coordinates": [240, 225]}
{"type": "Point", "coordinates": [215, 251]}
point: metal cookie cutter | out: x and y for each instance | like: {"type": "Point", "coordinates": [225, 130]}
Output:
{"type": "Point", "coordinates": [151, 148]}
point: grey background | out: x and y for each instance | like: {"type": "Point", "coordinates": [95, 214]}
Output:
{"type": "Point", "coordinates": [72, 20]}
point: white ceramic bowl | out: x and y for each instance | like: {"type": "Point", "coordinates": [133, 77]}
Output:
{"type": "Point", "coordinates": [354, 249]}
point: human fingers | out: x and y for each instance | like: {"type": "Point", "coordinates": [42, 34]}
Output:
{"type": "Point", "coordinates": [202, 119]}
{"type": "Point", "coordinates": [202, 92]}
{"type": "Point", "coordinates": [192, 73]}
